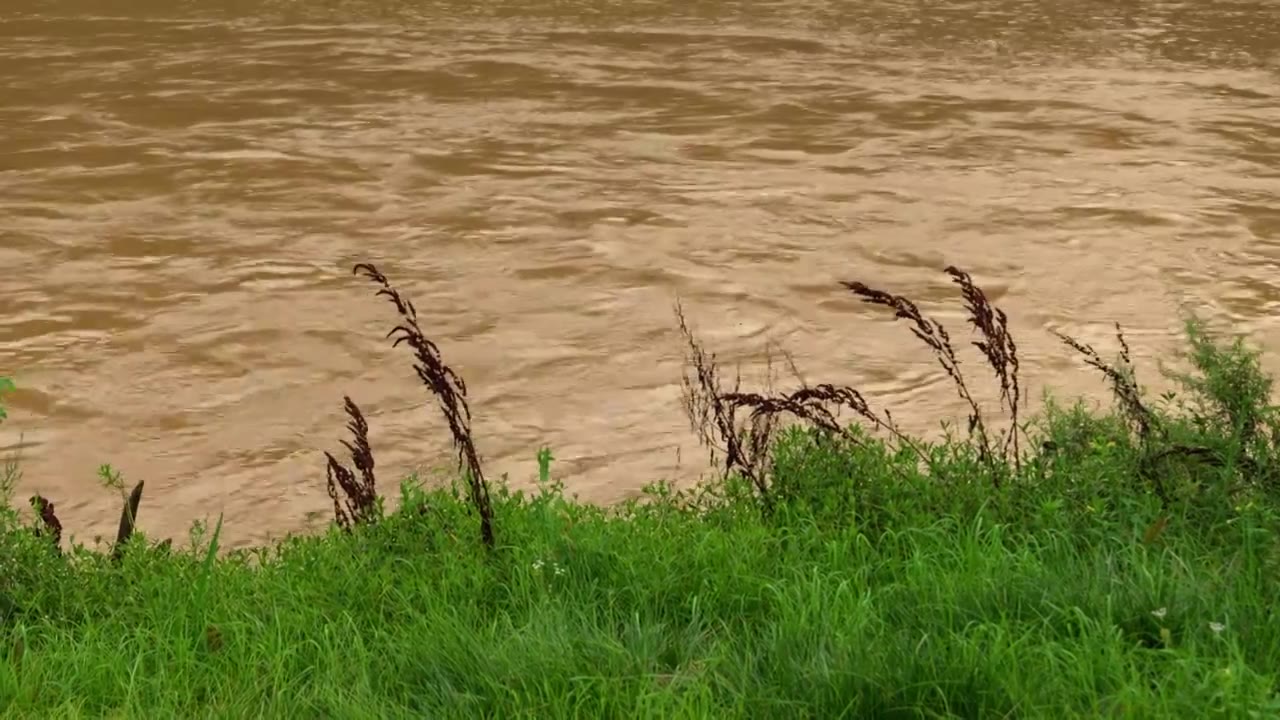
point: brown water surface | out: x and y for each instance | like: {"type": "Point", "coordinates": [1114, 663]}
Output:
{"type": "Point", "coordinates": [183, 192]}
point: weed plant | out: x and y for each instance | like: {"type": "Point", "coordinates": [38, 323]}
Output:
{"type": "Point", "coordinates": [1082, 563]}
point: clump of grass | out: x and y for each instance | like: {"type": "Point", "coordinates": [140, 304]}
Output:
{"type": "Point", "coordinates": [449, 390]}
{"type": "Point", "coordinates": [360, 504]}
{"type": "Point", "coordinates": [1230, 392]}
{"type": "Point", "coordinates": [1209, 451]}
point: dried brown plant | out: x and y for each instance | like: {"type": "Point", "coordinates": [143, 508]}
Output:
{"type": "Point", "coordinates": [1001, 352]}
{"type": "Point", "coordinates": [996, 345]}
{"type": "Point", "coordinates": [746, 443]}
{"type": "Point", "coordinates": [361, 496]}
{"type": "Point", "coordinates": [450, 392]}
{"type": "Point", "coordinates": [1123, 381]}
{"type": "Point", "coordinates": [715, 420]}
{"type": "Point", "coordinates": [49, 524]}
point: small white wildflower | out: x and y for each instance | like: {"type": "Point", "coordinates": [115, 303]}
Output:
{"type": "Point", "coordinates": [559, 570]}
{"type": "Point", "coordinates": [537, 564]}
{"type": "Point", "coordinates": [1217, 627]}
{"type": "Point", "coordinates": [1159, 614]}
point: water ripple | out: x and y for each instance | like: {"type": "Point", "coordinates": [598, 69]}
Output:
{"type": "Point", "coordinates": [186, 188]}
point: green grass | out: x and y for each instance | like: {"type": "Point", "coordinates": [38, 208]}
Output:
{"type": "Point", "coordinates": [1126, 565]}
{"type": "Point", "coordinates": [657, 611]}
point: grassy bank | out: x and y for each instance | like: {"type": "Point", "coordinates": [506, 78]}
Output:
{"type": "Point", "coordinates": [1086, 564]}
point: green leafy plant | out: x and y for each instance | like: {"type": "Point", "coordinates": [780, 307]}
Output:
{"type": "Point", "coordinates": [9, 469]}
{"type": "Point", "coordinates": [544, 465]}
{"type": "Point", "coordinates": [6, 385]}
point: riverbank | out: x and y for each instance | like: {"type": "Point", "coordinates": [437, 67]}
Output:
{"type": "Point", "coordinates": [1113, 564]}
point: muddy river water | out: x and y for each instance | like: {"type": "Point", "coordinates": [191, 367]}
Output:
{"type": "Point", "coordinates": [183, 190]}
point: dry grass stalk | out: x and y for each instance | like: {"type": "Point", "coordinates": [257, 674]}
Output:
{"type": "Point", "coordinates": [746, 443]}
{"type": "Point", "coordinates": [1001, 352]}
{"type": "Point", "coordinates": [715, 420]}
{"type": "Point", "coordinates": [1123, 381]}
{"type": "Point", "coordinates": [449, 390]}
{"type": "Point", "coordinates": [360, 503]}
{"type": "Point", "coordinates": [996, 345]}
